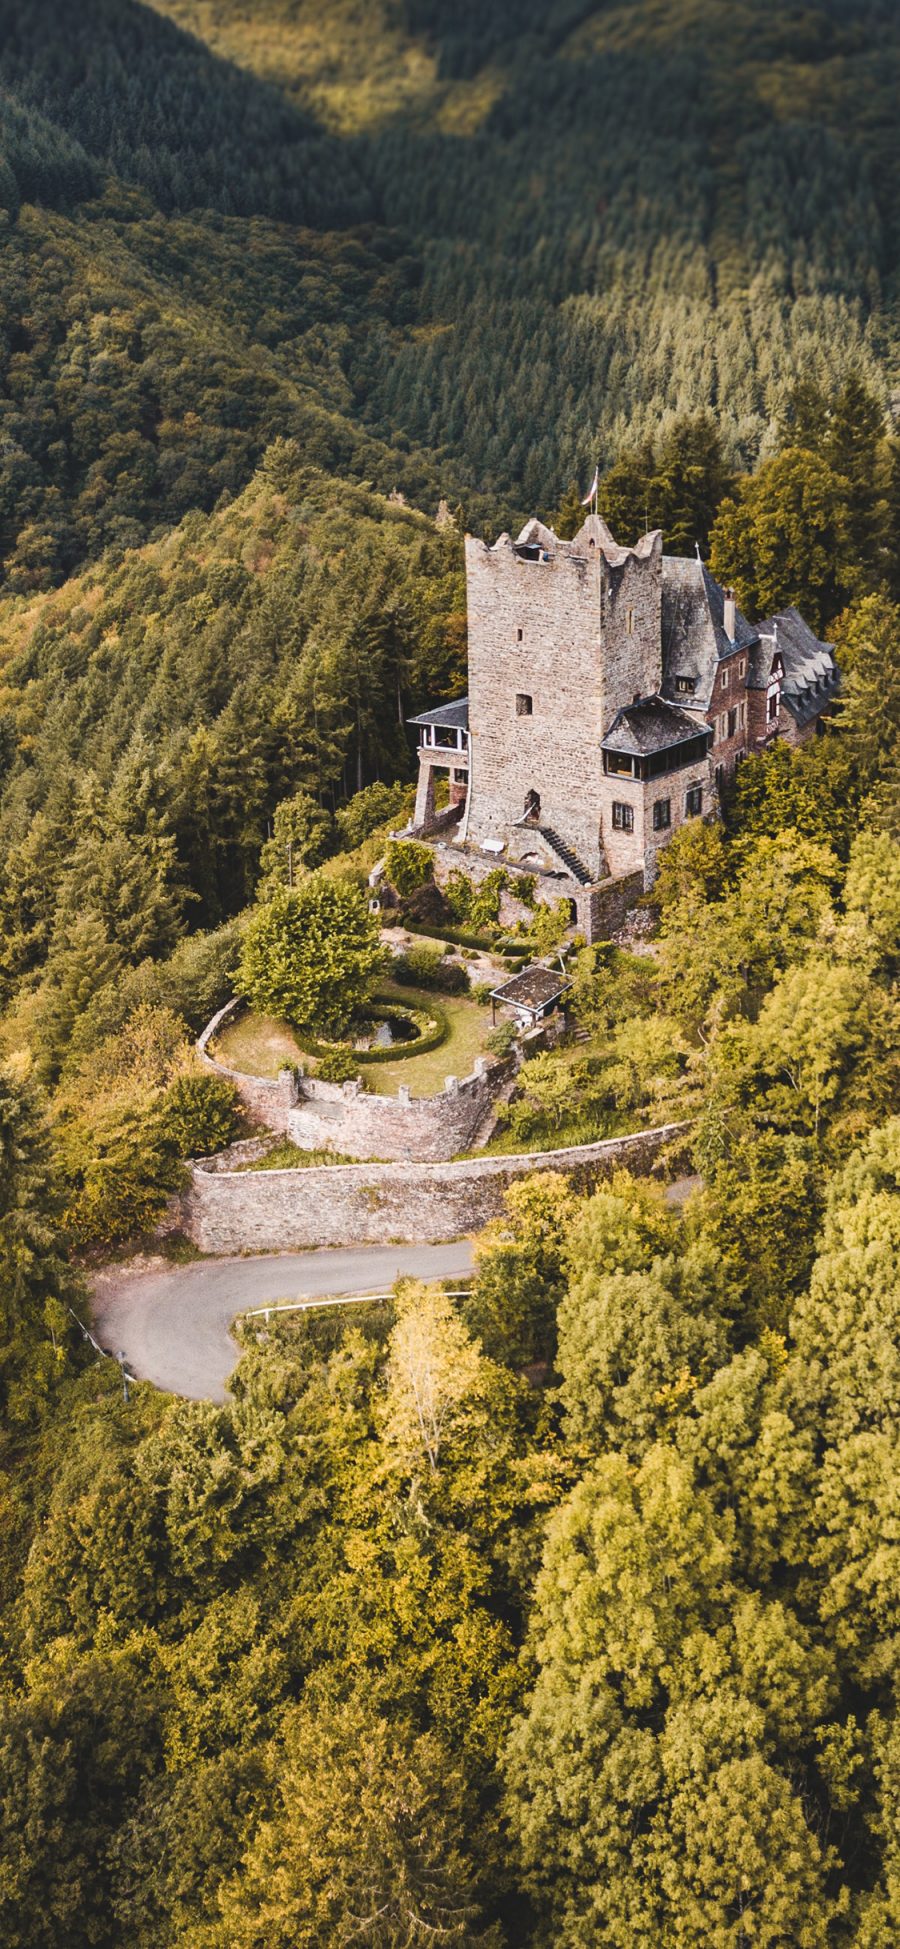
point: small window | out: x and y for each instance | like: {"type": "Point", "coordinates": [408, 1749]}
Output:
{"type": "Point", "coordinates": [693, 801]}
{"type": "Point", "coordinates": [742, 666]}
{"type": "Point", "coordinates": [732, 721]}
{"type": "Point", "coordinates": [623, 816]}
{"type": "Point", "coordinates": [518, 636]}
{"type": "Point", "coordinates": [742, 715]}
{"type": "Point", "coordinates": [524, 705]}
{"type": "Point", "coordinates": [773, 706]}
{"type": "Point", "coordinates": [686, 685]}
{"type": "Point", "coordinates": [629, 621]}
{"type": "Point", "coordinates": [726, 675]}
{"type": "Point", "coordinates": [662, 815]}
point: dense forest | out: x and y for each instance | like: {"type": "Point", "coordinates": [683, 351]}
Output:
{"type": "Point", "coordinates": [602, 1650]}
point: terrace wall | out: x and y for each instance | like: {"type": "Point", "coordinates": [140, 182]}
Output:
{"type": "Point", "coordinates": [383, 1204]}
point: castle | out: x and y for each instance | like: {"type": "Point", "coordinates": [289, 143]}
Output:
{"type": "Point", "coordinates": [612, 692]}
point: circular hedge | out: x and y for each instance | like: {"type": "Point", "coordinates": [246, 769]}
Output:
{"type": "Point", "coordinates": [431, 1023]}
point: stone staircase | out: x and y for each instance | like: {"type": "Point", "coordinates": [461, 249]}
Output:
{"type": "Point", "coordinates": [573, 865]}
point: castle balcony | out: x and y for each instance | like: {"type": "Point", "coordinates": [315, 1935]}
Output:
{"type": "Point", "coordinates": [445, 730]}
{"type": "Point", "coordinates": [443, 746]}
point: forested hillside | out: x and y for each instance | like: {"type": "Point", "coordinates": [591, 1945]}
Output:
{"type": "Point", "coordinates": [599, 1646]}
{"type": "Point", "coordinates": [449, 254]}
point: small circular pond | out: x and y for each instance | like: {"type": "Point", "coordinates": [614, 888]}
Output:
{"type": "Point", "coordinates": [388, 1029]}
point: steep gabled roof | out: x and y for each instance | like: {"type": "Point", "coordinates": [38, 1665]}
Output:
{"type": "Point", "coordinates": [694, 637]}
{"type": "Point", "coordinates": [811, 676]}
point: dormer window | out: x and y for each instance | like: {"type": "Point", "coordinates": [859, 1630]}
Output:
{"type": "Point", "coordinates": [686, 686]}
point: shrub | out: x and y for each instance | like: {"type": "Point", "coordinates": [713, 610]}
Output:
{"type": "Point", "coordinates": [369, 809]}
{"type": "Point", "coordinates": [476, 903]}
{"type": "Point", "coordinates": [427, 967]}
{"type": "Point", "coordinates": [408, 865]}
{"type": "Point", "coordinates": [338, 1066]}
{"type": "Point", "coordinates": [501, 1039]}
{"type": "Point", "coordinates": [200, 1113]}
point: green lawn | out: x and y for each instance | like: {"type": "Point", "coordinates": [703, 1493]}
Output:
{"type": "Point", "coordinates": [426, 1074]}
{"type": "Point", "coordinates": [261, 1046]}
{"type": "Point", "coordinates": [257, 1044]}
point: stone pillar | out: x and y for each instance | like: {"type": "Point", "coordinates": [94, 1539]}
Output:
{"type": "Point", "coordinates": [423, 817]}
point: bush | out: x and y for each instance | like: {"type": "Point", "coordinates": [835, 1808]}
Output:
{"type": "Point", "coordinates": [477, 903]}
{"type": "Point", "coordinates": [456, 936]}
{"type": "Point", "coordinates": [200, 1113]}
{"type": "Point", "coordinates": [427, 967]}
{"type": "Point", "coordinates": [338, 1066]}
{"type": "Point", "coordinates": [501, 1039]}
{"type": "Point", "coordinates": [408, 865]}
{"type": "Point", "coordinates": [369, 809]}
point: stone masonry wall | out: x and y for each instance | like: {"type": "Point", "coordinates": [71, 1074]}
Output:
{"type": "Point", "coordinates": [345, 1119]}
{"type": "Point", "coordinates": [631, 642]}
{"type": "Point", "coordinates": [382, 1204]}
{"type": "Point", "coordinates": [603, 909]}
{"type": "Point", "coordinates": [266, 1099]}
{"type": "Point", "coordinates": [579, 636]}
{"type": "Point", "coordinates": [534, 630]}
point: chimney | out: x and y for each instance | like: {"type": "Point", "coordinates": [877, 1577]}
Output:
{"type": "Point", "coordinates": [729, 614]}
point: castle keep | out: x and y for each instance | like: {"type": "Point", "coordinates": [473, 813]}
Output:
{"type": "Point", "coordinates": [612, 691]}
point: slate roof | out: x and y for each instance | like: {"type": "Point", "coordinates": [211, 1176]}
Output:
{"type": "Point", "coordinates": [448, 717]}
{"type": "Point", "coordinates": [811, 676]}
{"type": "Point", "coordinates": [651, 725]}
{"type": "Point", "coordinates": [534, 988]}
{"type": "Point", "coordinates": [694, 638]}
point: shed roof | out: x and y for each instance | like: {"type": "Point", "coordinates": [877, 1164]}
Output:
{"type": "Point", "coordinates": [534, 988]}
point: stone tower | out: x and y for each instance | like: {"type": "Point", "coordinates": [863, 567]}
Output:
{"type": "Point", "coordinates": [562, 636]}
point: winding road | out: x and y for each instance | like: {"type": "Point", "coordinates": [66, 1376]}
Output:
{"type": "Point", "coordinates": [172, 1323]}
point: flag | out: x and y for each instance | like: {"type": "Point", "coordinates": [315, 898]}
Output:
{"type": "Point", "coordinates": [595, 483]}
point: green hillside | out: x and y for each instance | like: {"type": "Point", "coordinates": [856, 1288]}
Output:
{"type": "Point", "coordinates": [623, 212]}
{"type": "Point", "coordinates": [450, 254]}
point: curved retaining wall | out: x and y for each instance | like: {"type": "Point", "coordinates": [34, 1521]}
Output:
{"type": "Point", "coordinates": [344, 1117]}
{"type": "Point", "coordinates": [420, 1129]}
{"type": "Point", "coordinates": [266, 1099]}
{"type": "Point", "coordinates": [383, 1204]}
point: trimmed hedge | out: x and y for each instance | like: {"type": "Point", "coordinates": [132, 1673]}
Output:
{"type": "Point", "coordinates": [379, 1009]}
{"type": "Point", "coordinates": [460, 937]}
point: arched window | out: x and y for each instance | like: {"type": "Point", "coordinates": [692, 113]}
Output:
{"type": "Point", "coordinates": [533, 806]}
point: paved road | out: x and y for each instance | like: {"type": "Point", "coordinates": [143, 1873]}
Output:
{"type": "Point", "coordinates": [172, 1322]}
